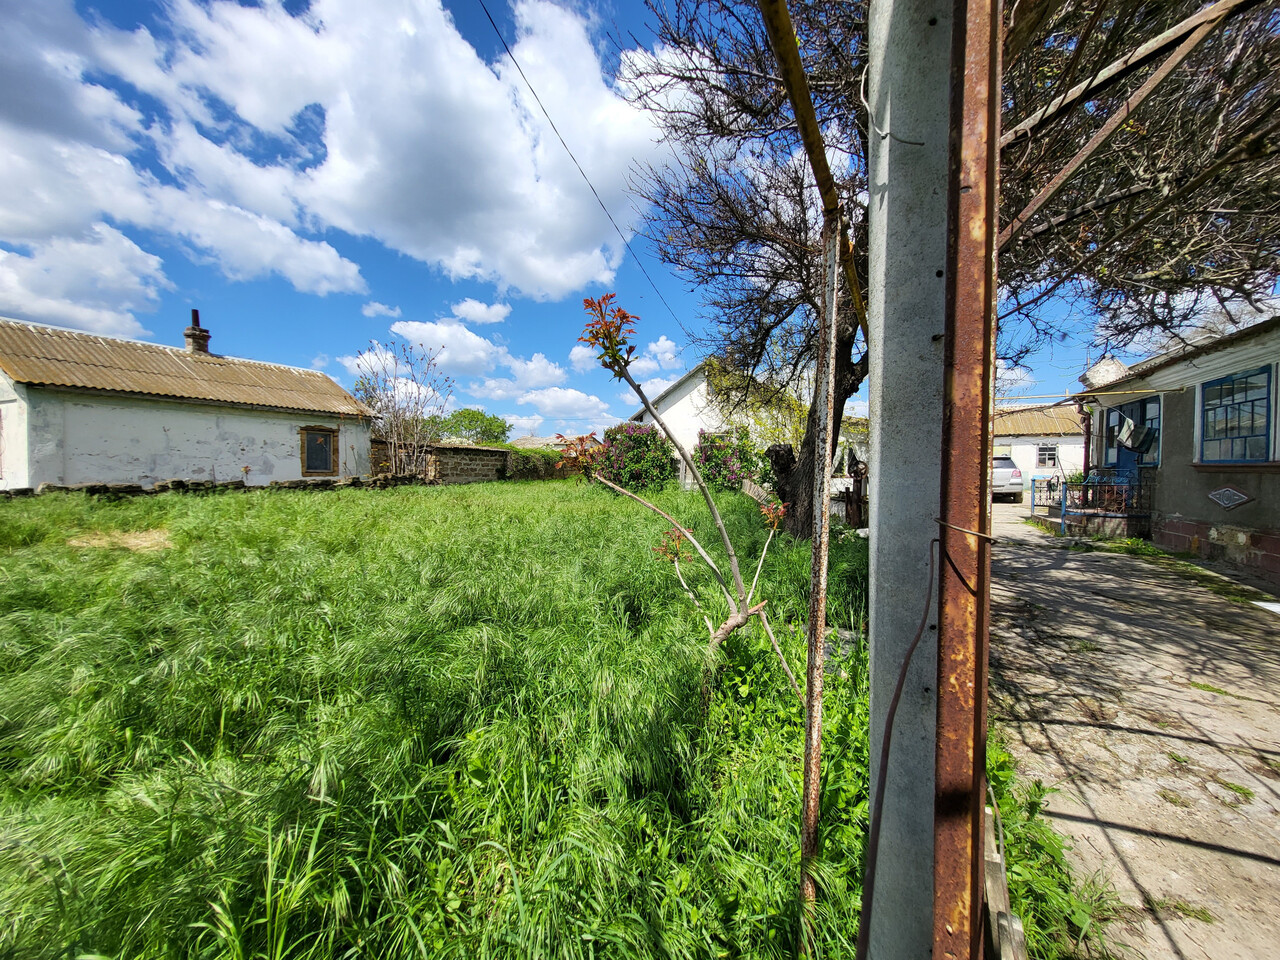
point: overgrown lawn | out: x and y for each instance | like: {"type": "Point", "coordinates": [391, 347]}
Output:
{"type": "Point", "coordinates": [423, 722]}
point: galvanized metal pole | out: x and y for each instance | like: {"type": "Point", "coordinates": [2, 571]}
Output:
{"type": "Point", "coordinates": [965, 521]}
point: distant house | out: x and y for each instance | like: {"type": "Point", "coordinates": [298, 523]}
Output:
{"type": "Point", "coordinates": [1044, 441]}
{"type": "Point", "coordinates": [686, 407]}
{"type": "Point", "coordinates": [1198, 427]}
{"type": "Point", "coordinates": [537, 443]}
{"type": "Point", "coordinates": [78, 408]}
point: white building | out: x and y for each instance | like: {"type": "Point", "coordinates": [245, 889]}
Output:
{"type": "Point", "coordinates": [687, 407]}
{"type": "Point", "coordinates": [1043, 441]}
{"type": "Point", "coordinates": [78, 408]}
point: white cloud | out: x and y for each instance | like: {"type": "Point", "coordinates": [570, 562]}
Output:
{"type": "Point", "coordinates": [537, 371]}
{"type": "Point", "coordinates": [460, 352]}
{"type": "Point", "coordinates": [661, 354]}
{"type": "Point", "coordinates": [526, 375]}
{"type": "Point", "coordinates": [94, 283]}
{"type": "Point", "coordinates": [473, 311]}
{"type": "Point", "coordinates": [582, 358]}
{"type": "Point", "coordinates": [320, 361]}
{"type": "Point", "coordinates": [562, 402]}
{"type": "Point", "coordinates": [375, 309]}
{"type": "Point", "coordinates": [1010, 378]}
{"type": "Point", "coordinates": [266, 131]}
{"type": "Point", "coordinates": [524, 426]}
{"type": "Point", "coordinates": [665, 352]}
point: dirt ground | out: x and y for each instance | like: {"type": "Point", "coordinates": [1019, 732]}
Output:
{"type": "Point", "coordinates": [1150, 702]}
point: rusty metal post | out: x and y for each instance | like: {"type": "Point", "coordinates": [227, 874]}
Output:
{"type": "Point", "coordinates": [824, 388]}
{"type": "Point", "coordinates": [963, 598]}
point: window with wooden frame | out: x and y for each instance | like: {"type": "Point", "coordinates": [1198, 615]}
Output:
{"type": "Point", "coordinates": [1046, 454]}
{"type": "Point", "coordinates": [319, 451]}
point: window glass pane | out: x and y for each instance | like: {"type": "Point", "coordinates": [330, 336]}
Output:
{"type": "Point", "coordinates": [1212, 395]}
{"type": "Point", "coordinates": [319, 452]}
{"type": "Point", "coordinates": [1257, 448]}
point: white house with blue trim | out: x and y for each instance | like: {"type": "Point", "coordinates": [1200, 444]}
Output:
{"type": "Point", "coordinates": [1200, 426]}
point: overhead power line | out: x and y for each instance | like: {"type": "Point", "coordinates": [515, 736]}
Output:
{"type": "Point", "coordinates": [621, 236]}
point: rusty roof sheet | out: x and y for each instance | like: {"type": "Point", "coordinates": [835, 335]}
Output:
{"type": "Point", "coordinates": [1036, 422]}
{"type": "Point", "coordinates": [50, 356]}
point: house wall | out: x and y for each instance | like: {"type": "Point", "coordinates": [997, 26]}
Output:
{"type": "Point", "coordinates": [1183, 518]}
{"type": "Point", "coordinates": [13, 432]}
{"type": "Point", "coordinates": [1186, 520]}
{"type": "Point", "coordinates": [688, 409]}
{"type": "Point", "coordinates": [1023, 452]}
{"type": "Point", "coordinates": [73, 437]}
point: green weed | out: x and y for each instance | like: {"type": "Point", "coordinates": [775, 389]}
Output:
{"type": "Point", "coordinates": [1173, 797]}
{"type": "Point", "coordinates": [1243, 792]}
{"type": "Point", "coordinates": [1168, 908]}
{"type": "Point", "coordinates": [1062, 915]}
{"type": "Point", "coordinates": [1209, 688]}
{"type": "Point", "coordinates": [424, 722]}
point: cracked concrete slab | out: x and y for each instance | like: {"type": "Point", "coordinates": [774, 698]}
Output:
{"type": "Point", "coordinates": [1150, 703]}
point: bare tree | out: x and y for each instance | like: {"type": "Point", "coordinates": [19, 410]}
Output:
{"type": "Point", "coordinates": [1172, 215]}
{"type": "Point", "coordinates": [408, 394]}
{"type": "Point", "coordinates": [737, 211]}
{"type": "Point", "coordinates": [1171, 208]}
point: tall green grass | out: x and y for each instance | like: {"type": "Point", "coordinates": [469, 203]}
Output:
{"type": "Point", "coordinates": [425, 722]}
{"type": "Point", "coordinates": [459, 721]}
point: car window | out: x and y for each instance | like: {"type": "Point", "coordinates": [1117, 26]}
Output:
{"type": "Point", "coordinates": [1003, 462]}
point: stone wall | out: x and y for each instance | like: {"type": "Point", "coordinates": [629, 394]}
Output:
{"type": "Point", "coordinates": [450, 464]}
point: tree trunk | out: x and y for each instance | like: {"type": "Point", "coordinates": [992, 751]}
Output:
{"type": "Point", "coordinates": [797, 486]}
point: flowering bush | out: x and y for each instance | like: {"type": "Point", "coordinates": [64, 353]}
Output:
{"type": "Point", "coordinates": [725, 461]}
{"type": "Point", "coordinates": [635, 455]}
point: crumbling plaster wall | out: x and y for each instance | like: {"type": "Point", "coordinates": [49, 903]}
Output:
{"type": "Point", "coordinates": [81, 437]}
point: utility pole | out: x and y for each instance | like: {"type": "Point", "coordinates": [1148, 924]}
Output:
{"type": "Point", "coordinates": [910, 46]}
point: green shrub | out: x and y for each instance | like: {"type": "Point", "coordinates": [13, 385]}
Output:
{"type": "Point", "coordinates": [532, 464]}
{"type": "Point", "coordinates": [635, 456]}
{"type": "Point", "coordinates": [725, 461]}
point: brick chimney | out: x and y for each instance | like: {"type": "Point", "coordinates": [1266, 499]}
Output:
{"type": "Point", "coordinates": [197, 337]}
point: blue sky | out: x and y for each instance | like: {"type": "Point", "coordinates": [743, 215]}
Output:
{"type": "Point", "coordinates": [313, 177]}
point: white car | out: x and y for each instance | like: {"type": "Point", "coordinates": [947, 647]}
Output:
{"type": "Point", "coordinates": [1006, 479]}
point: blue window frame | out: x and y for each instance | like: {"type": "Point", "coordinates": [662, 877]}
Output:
{"type": "Point", "coordinates": [1235, 418]}
{"type": "Point", "coordinates": [1145, 413]}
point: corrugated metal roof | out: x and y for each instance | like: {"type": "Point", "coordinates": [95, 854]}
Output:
{"type": "Point", "coordinates": [49, 356]}
{"type": "Point", "coordinates": [1036, 422]}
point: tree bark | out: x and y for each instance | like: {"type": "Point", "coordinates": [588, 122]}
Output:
{"type": "Point", "coordinates": [798, 483]}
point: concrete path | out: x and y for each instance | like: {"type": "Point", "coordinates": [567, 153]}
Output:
{"type": "Point", "coordinates": [1151, 703]}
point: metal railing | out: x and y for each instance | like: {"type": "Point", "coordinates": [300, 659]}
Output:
{"type": "Point", "coordinates": [1101, 497]}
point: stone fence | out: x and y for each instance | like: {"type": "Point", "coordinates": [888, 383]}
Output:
{"type": "Point", "coordinates": [464, 463]}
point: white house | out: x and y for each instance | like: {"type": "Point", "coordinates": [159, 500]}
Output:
{"type": "Point", "coordinates": [78, 408]}
{"type": "Point", "coordinates": [686, 407]}
{"type": "Point", "coordinates": [1199, 428]}
{"type": "Point", "coordinates": [1046, 441]}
